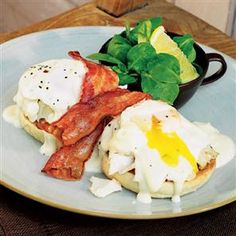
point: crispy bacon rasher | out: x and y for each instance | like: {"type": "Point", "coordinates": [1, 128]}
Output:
{"type": "Point", "coordinates": [83, 118]}
{"type": "Point", "coordinates": [98, 79]}
{"type": "Point", "coordinates": [68, 162]}
{"type": "Point", "coordinates": [80, 129]}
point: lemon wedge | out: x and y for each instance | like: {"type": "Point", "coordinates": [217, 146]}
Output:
{"type": "Point", "coordinates": [164, 44]}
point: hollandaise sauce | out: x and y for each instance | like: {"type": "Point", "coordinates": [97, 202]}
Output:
{"type": "Point", "coordinates": [169, 145]}
{"type": "Point", "coordinates": [11, 115]}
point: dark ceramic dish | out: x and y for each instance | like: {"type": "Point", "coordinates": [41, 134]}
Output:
{"type": "Point", "coordinates": [188, 89]}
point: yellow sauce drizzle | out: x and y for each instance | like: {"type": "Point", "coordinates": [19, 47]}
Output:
{"type": "Point", "coordinates": [169, 145]}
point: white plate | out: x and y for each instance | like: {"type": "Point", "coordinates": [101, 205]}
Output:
{"type": "Point", "coordinates": [21, 161]}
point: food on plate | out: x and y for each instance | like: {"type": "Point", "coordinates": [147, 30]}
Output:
{"type": "Point", "coordinates": [151, 149]}
{"type": "Point", "coordinates": [74, 106]}
{"type": "Point", "coordinates": [79, 128]}
{"type": "Point", "coordinates": [103, 187]}
{"type": "Point", "coordinates": [147, 59]}
{"type": "Point", "coordinates": [48, 89]}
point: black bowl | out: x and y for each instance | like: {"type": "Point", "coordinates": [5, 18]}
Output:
{"type": "Point", "coordinates": [187, 90]}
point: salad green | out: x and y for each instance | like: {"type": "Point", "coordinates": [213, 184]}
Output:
{"type": "Point", "coordinates": [135, 60]}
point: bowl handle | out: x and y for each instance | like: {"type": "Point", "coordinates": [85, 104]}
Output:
{"type": "Point", "coordinates": [218, 74]}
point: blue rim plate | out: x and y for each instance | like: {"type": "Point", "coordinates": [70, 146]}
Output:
{"type": "Point", "coordinates": [21, 161]}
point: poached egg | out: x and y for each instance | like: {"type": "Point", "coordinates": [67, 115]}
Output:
{"type": "Point", "coordinates": [160, 144]}
{"type": "Point", "coordinates": [47, 90]}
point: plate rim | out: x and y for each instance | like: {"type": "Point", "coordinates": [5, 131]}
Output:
{"type": "Point", "coordinates": [106, 214]}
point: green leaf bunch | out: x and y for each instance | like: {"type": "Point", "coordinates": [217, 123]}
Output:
{"type": "Point", "coordinates": [134, 59]}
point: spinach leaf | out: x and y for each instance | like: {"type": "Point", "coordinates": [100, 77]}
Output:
{"type": "Point", "coordinates": [120, 69]}
{"type": "Point", "coordinates": [161, 77]}
{"type": "Point", "coordinates": [126, 79]}
{"type": "Point", "coordinates": [185, 43]}
{"type": "Point", "coordinates": [133, 36]}
{"type": "Point", "coordinates": [139, 55]}
{"type": "Point", "coordinates": [164, 68]}
{"type": "Point", "coordinates": [162, 74]}
{"type": "Point", "coordinates": [143, 30]}
{"type": "Point", "coordinates": [156, 22]}
{"type": "Point", "coordinates": [124, 76]}
{"type": "Point", "coordinates": [105, 57]}
{"type": "Point", "coordinates": [167, 92]}
{"type": "Point", "coordinates": [118, 47]}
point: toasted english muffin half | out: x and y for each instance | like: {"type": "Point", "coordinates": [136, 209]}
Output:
{"type": "Point", "coordinates": [31, 128]}
{"type": "Point", "coordinates": [167, 188]}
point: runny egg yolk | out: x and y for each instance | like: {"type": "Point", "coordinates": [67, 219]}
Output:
{"type": "Point", "coordinates": [169, 145]}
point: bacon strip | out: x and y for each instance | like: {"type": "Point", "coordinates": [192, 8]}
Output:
{"type": "Point", "coordinates": [68, 162]}
{"type": "Point", "coordinates": [99, 78]}
{"type": "Point", "coordinates": [82, 118]}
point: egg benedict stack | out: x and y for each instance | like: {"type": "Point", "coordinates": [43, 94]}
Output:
{"type": "Point", "coordinates": [153, 150]}
{"type": "Point", "coordinates": [47, 90]}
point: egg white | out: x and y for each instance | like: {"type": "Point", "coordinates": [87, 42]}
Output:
{"type": "Point", "coordinates": [48, 89]}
